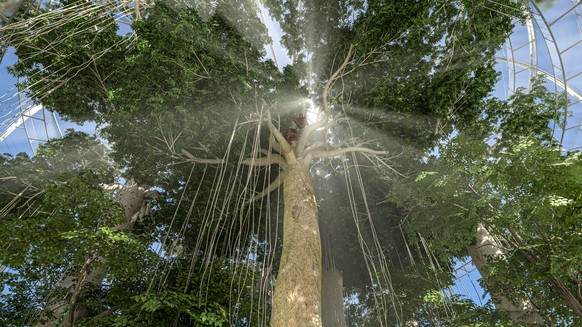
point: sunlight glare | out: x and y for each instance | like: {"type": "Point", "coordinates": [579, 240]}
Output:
{"type": "Point", "coordinates": [313, 113]}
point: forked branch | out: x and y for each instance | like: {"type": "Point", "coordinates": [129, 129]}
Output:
{"type": "Point", "coordinates": [273, 144]}
{"type": "Point", "coordinates": [334, 77]}
{"type": "Point", "coordinates": [308, 130]}
{"type": "Point", "coordinates": [323, 121]}
{"type": "Point", "coordinates": [167, 144]}
{"type": "Point", "coordinates": [286, 156]}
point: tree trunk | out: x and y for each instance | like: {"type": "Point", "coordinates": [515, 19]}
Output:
{"type": "Point", "coordinates": [8, 8]}
{"type": "Point", "coordinates": [332, 297]}
{"type": "Point", "coordinates": [486, 246]}
{"type": "Point", "coordinates": [132, 197]}
{"type": "Point", "coordinates": [297, 297]}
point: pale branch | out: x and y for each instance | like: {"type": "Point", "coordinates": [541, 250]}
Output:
{"type": "Point", "coordinates": [339, 152]}
{"type": "Point", "coordinates": [77, 291]}
{"type": "Point", "coordinates": [331, 81]}
{"type": "Point", "coordinates": [309, 129]}
{"type": "Point", "coordinates": [273, 144]}
{"type": "Point", "coordinates": [153, 194]}
{"type": "Point", "coordinates": [268, 153]}
{"type": "Point", "coordinates": [307, 132]}
{"type": "Point", "coordinates": [106, 312]}
{"type": "Point", "coordinates": [266, 161]}
{"type": "Point", "coordinates": [195, 159]}
{"type": "Point", "coordinates": [273, 186]}
{"type": "Point", "coordinates": [15, 201]}
{"type": "Point", "coordinates": [364, 59]}
{"type": "Point", "coordinates": [31, 199]}
{"type": "Point", "coordinates": [12, 204]}
{"type": "Point", "coordinates": [391, 168]}
{"type": "Point", "coordinates": [169, 141]}
{"type": "Point", "coordinates": [286, 149]}
{"type": "Point", "coordinates": [137, 10]}
{"type": "Point", "coordinates": [263, 151]}
{"type": "Point", "coordinates": [318, 145]}
{"type": "Point", "coordinates": [111, 187]}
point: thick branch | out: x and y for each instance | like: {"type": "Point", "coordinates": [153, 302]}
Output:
{"type": "Point", "coordinates": [111, 187]}
{"type": "Point", "coordinates": [339, 152]}
{"type": "Point", "coordinates": [273, 186]}
{"type": "Point", "coordinates": [307, 132]}
{"type": "Point", "coordinates": [274, 144]}
{"type": "Point", "coordinates": [266, 161]}
{"type": "Point", "coordinates": [106, 312]}
{"type": "Point", "coordinates": [286, 149]}
{"type": "Point", "coordinates": [192, 158]}
{"type": "Point", "coordinates": [559, 286]}
{"type": "Point", "coordinates": [74, 298]}
{"type": "Point", "coordinates": [137, 11]}
{"type": "Point", "coordinates": [151, 194]}
{"type": "Point", "coordinates": [318, 145]}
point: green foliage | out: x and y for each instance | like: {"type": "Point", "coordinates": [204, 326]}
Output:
{"type": "Point", "coordinates": [74, 77]}
{"type": "Point", "coordinates": [518, 183]}
{"type": "Point", "coordinates": [180, 301]}
{"type": "Point", "coordinates": [163, 307]}
{"type": "Point", "coordinates": [465, 313]}
{"type": "Point", "coordinates": [193, 72]}
{"type": "Point", "coordinates": [60, 219]}
{"type": "Point", "coordinates": [427, 64]}
{"type": "Point", "coordinates": [420, 70]}
{"type": "Point", "coordinates": [430, 309]}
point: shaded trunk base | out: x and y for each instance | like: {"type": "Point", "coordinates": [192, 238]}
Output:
{"type": "Point", "coordinates": [332, 298]}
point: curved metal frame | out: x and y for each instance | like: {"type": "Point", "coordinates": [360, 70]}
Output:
{"type": "Point", "coordinates": [542, 44]}
{"type": "Point", "coordinates": [22, 111]}
{"type": "Point", "coordinates": [24, 116]}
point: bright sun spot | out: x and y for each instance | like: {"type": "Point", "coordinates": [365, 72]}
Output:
{"type": "Point", "coordinates": [313, 112]}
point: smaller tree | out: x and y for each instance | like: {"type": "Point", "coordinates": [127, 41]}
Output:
{"type": "Point", "coordinates": [506, 178]}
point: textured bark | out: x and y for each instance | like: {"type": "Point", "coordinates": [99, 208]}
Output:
{"type": "Point", "coordinates": [332, 298]}
{"type": "Point", "coordinates": [297, 297]}
{"type": "Point", "coordinates": [486, 246]}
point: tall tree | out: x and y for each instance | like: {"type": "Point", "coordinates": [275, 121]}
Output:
{"type": "Point", "coordinates": [408, 86]}
{"type": "Point", "coordinates": [181, 91]}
